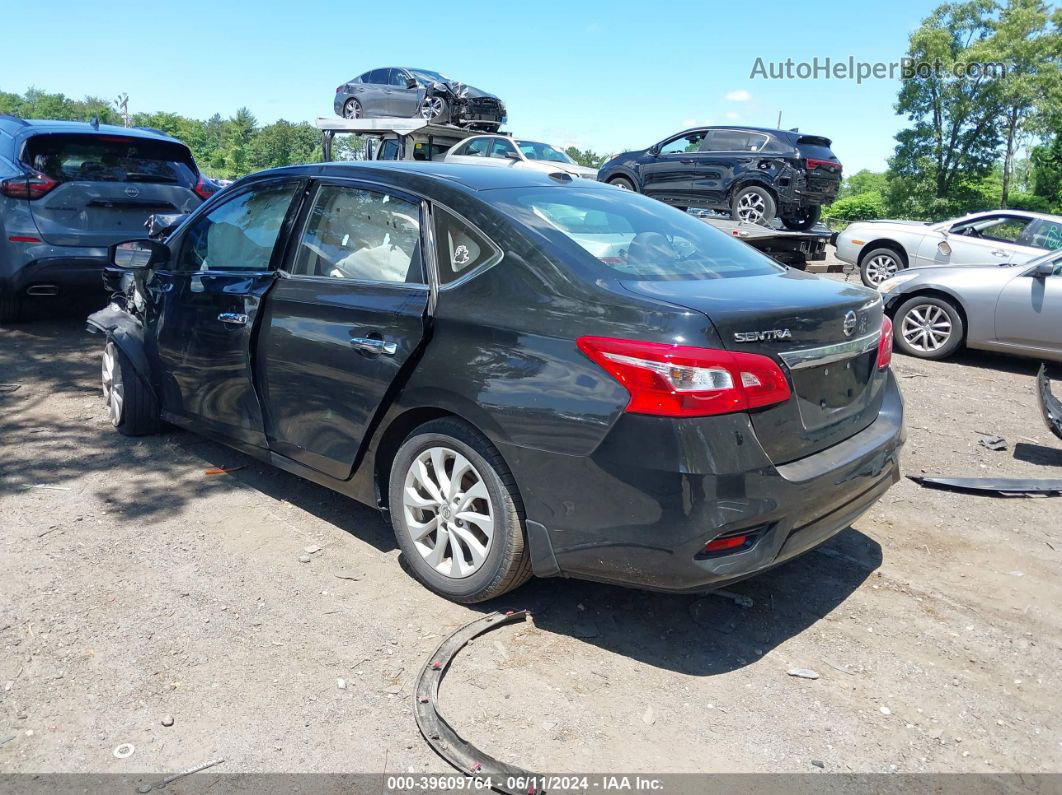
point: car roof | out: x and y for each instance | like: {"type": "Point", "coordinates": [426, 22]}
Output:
{"type": "Point", "coordinates": [1007, 211]}
{"type": "Point", "coordinates": [789, 135]}
{"type": "Point", "coordinates": [28, 127]}
{"type": "Point", "coordinates": [470, 177]}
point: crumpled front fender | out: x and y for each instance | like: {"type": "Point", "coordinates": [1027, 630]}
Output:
{"type": "Point", "coordinates": [1050, 406]}
{"type": "Point", "coordinates": [127, 332]}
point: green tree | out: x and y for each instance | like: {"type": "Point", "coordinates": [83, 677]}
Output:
{"type": "Point", "coordinates": [586, 157]}
{"type": "Point", "coordinates": [863, 181]}
{"type": "Point", "coordinates": [955, 132]}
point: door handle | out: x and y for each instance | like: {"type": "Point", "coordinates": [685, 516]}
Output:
{"type": "Point", "coordinates": [688, 161]}
{"type": "Point", "coordinates": [235, 318]}
{"type": "Point", "coordinates": [373, 345]}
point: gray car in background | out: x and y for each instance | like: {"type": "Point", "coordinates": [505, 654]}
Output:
{"type": "Point", "coordinates": [1005, 308]}
{"type": "Point", "coordinates": [69, 190]}
{"type": "Point", "coordinates": [401, 92]}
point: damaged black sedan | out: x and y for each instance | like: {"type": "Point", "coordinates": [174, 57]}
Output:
{"type": "Point", "coordinates": [532, 374]}
{"type": "Point", "coordinates": [407, 93]}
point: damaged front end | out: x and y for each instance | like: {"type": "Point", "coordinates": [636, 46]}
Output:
{"type": "Point", "coordinates": [469, 107]}
{"type": "Point", "coordinates": [1050, 406]}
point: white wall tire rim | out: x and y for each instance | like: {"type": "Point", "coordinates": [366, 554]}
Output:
{"type": "Point", "coordinates": [113, 388]}
{"type": "Point", "coordinates": [447, 511]}
{"type": "Point", "coordinates": [926, 328]}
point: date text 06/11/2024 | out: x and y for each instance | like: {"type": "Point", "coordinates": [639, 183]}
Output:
{"type": "Point", "coordinates": [528, 783]}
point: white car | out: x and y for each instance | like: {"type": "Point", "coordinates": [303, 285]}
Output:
{"type": "Point", "coordinates": [504, 152]}
{"type": "Point", "coordinates": [880, 249]}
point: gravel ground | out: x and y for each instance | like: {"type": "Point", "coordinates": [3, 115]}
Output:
{"type": "Point", "coordinates": [135, 588]}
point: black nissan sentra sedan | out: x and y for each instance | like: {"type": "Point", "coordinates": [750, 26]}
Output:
{"type": "Point", "coordinates": [532, 374]}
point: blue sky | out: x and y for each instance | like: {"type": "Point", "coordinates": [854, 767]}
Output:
{"type": "Point", "coordinates": [601, 75]}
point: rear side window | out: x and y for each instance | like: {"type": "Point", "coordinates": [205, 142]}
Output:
{"type": "Point", "coordinates": [361, 235]}
{"type": "Point", "coordinates": [1045, 234]}
{"type": "Point", "coordinates": [734, 141]}
{"type": "Point", "coordinates": [477, 147]}
{"type": "Point", "coordinates": [107, 158]}
{"type": "Point", "coordinates": [389, 150]}
{"type": "Point", "coordinates": [240, 234]}
{"type": "Point", "coordinates": [462, 249]}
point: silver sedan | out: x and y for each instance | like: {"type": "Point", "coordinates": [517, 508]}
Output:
{"type": "Point", "coordinates": [1007, 308]}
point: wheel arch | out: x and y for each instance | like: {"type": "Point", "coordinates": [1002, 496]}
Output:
{"type": "Point", "coordinates": [750, 181]}
{"type": "Point", "coordinates": [127, 334]}
{"type": "Point", "coordinates": [627, 173]}
{"type": "Point", "coordinates": [884, 242]}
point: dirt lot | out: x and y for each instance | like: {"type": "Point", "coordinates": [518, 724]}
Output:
{"type": "Point", "coordinates": [134, 587]}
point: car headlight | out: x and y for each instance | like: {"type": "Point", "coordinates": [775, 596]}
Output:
{"type": "Point", "coordinates": [892, 283]}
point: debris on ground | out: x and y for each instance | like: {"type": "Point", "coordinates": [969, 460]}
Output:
{"type": "Point", "coordinates": [803, 673]}
{"type": "Point", "coordinates": [223, 470]}
{"type": "Point", "coordinates": [124, 751]}
{"type": "Point", "coordinates": [737, 598]}
{"type": "Point", "coordinates": [312, 549]}
{"type": "Point", "coordinates": [993, 442]}
{"type": "Point", "coordinates": [1000, 486]}
{"type": "Point", "coordinates": [10, 387]}
{"type": "Point", "coordinates": [167, 720]}
{"type": "Point", "coordinates": [648, 718]}
{"type": "Point", "coordinates": [145, 788]}
{"type": "Point", "coordinates": [304, 558]}
{"type": "Point", "coordinates": [446, 742]}
{"type": "Point", "coordinates": [345, 575]}
{"type": "Point", "coordinates": [1050, 406]}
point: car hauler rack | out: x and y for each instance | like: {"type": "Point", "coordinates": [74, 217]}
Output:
{"type": "Point", "coordinates": [394, 138]}
{"type": "Point", "coordinates": [795, 249]}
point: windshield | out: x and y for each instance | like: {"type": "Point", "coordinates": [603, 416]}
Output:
{"type": "Point", "coordinates": [428, 76]}
{"type": "Point", "coordinates": [533, 150]}
{"type": "Point", "coordinates": [634, 236]}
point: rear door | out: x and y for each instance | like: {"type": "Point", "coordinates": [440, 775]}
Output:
{"type": "Point", "coordinates": [209, 303]}
{"type": "Point", "coordinates": [725, 153]}
{"type": "Point", "coordinates": [108, 185]}
{"type": "Point", "coordinates": [346, 317]}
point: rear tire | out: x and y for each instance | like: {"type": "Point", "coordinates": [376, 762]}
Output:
{"type": "Point", "coordinates": [878, 265]}
{"type": "Point", "coordinates": [803, 220]}
{"type": "Point", "coordinates": [461, 531]}
{"type": "Point", "coordinates": [623, 184]}
{"type": "Point", "coordinates": [928, 327]}
{"type": "Point", "coordinates": [132, 407]}
{"type": "Point", "coordinates": [352, 109]}
{"type": "Point", "coordinates": [754, 205]}
{"type": "Point", "coordinates": [10, 308]}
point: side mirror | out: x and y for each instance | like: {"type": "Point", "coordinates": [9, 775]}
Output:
{"type": "Point", "coordinates": [944, 247]}
{"type": "Point", "coordinates": [411, 82]}
{"type": "Point", "coordinates": [139, 254]}
{"type": "Point", "coordinates": [1043, 270]}
{"type": "Point", "coordinates": [654, 151]}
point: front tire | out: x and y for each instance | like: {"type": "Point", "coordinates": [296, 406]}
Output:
{"type": "Point", "coordinates": [754, 205]}
{"type": "Point", "coordinates": [435, 110]}
{"type": "Point", "coordinates": [879, 265]}
{"type": "Point", "coordinates": [131, 406]}
{"type": "Point", "coordinates": [456, 513]}
{"type": "Point", "coordinates": [806, 218]}
{"type": "Point", "coordinates": [928, 328]}
{"type": "Point", "coordinates": [623, 184]}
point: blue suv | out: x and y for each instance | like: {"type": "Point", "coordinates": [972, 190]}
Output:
{"type": "Point", "coordinates": [69, 190]}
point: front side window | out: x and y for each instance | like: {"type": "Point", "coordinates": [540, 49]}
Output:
{"type": "Point", "coordinates": [396, 77]}
{"type": "Point", "coordinates": [686, 143]}
{"type": "Point", "coordinates": [240, 234]}
{"type": "Point", "coordinates": [999, 228]}
{"type": "Point", "coordinates": [362, 235]}
{"type": "Point", "coordinates": [634, 236]}
{"type": "Point", "coordinates": [502, 149]}
{"type": "Point", "coordinates": [461, 248]}
{"type": "Point", "coordinates": [477, 147]}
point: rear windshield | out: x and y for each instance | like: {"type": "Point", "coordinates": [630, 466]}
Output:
{"type": "Point", "coordinates": [107, 158]}
{"type": "Point", "coordinates": [814, 147]}
{"type": "Point", "coordinates": [634, 236]}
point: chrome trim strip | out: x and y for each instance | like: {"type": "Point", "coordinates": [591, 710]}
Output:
{"type": "Point", "coordinates": [814, 357]}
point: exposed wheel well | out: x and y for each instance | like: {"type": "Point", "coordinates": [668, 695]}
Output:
{"type": "Point", "coordinates": [751, 183]}
{"type": "Point", "coordinates": [884, 243]}
{"type": "Point", "coordinates": [943, 296]}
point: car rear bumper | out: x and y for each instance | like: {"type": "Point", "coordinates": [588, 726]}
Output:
{"type": "Point", "coordinates": [62, 274]}
{"type": "Point", "coordinates": [641, 508]}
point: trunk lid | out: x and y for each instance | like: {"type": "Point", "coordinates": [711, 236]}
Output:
{"type": "Point", "coordinates": [837, 391]}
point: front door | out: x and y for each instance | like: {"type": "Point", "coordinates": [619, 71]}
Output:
{"type": "Point", "coordinates": [668, 175]}
{"type": "Point", "coordinates": [998, 237]}
{"type": "Point", "coordinates": [1029, 310]}
{"type": "Point", "coordinates": [405, 101]}
{"type": "Point", "coordinates": [347, 314]}
{"type": "Point", "coordinates": [208, 300]}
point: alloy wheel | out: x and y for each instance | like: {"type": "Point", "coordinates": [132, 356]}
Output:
{"type": "Point", "coordinates": [926, 328]}
{"type": "Point", "coordinates": [432, 108]}
{"type": "Point", "coordinates": [751, 208]}
{"type": "Point", "coordinates": [448, 512]}
{"type": "Point", "coordinates": [113, 388]}
{"type": "Point", "coordinates": [352, 110]}
{"type": "Point", "coordinates": [880, 268]}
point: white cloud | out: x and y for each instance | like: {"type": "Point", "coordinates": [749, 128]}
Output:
{"type": "Point", "coordinates": [732, 115]}
{"type": "Point", "coordinates": [741, 95]}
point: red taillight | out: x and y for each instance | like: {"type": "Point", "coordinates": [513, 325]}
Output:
{"type": "Point", "coordinates": [30, 186]}
{"type": "Point", "coordinates": [885, 343]}
{"type": "Point", "coordinates": [339, 88]}
{"type": "Point", "coordinates": [203, 189]}
{"type": "Point", "coordinates": [830, 164]}
{"type": "Point", "coordinates": [723, 544]}
{"type": "Point", "coordinates": [24, 239]}
{"type": "Point", "coordinates": [678, 381]}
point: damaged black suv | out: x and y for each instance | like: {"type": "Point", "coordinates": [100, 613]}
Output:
{"type": "Point", "coordinates": [754, 174]}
